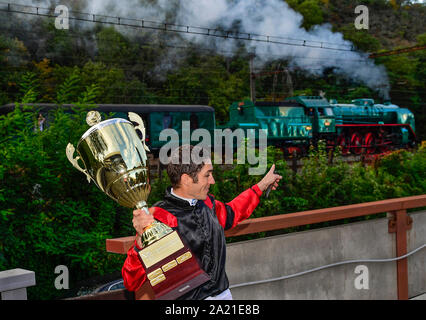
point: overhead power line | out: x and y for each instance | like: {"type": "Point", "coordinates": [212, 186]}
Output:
{"type": "Point", "coordinates": [397, 51]}
{"type": "Point", "coordinates": [176, 28]}
{"type": "Point", "coordinates": [150, 44]}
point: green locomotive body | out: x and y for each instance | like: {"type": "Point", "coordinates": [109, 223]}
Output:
{"type": "Point", "coordinates": [364, 125]}
{"type": "Point", "coordinates": [301, 121]}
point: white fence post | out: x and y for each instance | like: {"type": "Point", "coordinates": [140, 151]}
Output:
{"type": "Point", "coordinates": [14, 283]}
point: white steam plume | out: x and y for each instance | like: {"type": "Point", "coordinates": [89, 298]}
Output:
{"type": "Point", "coordinates": [276, 18]}
{"type": "Point", "coordinates": [262, 17]}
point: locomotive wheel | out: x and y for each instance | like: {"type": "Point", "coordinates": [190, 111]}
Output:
{"type": "Point", "coordinates": [341, 141]}
{"type": "Point", "coordinates": [356, 143]}
{"type": "Point", "coordinates": [369, 143]}
{"type": "Point", "coordinates": [382, 146]}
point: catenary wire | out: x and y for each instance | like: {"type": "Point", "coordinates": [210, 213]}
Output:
{"type": "Point", "coordinates": [169, 27]}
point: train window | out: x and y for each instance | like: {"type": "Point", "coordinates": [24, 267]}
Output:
{"type": "Point", "coordinates": [284, 111]}
{"type": "Point", "coordinates": [291, 112]}
{"type": "Point", "coordinates": [329, 111]}
{"type": "Point", "coordinates": [194, 121]}
{"type": "Point", "coordinates": [41, 122]}
{"type": "Point", "coordinates": [325, 111]}
{"type": "Point", "coordinates": [240, 110]}
{"type": "Point", "coordinates": [167, 121]}
{"type": "Point", "coordinates": [310, 112]}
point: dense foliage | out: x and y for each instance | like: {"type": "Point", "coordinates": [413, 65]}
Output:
{"type": "Point", "coordinates": [49, 214]}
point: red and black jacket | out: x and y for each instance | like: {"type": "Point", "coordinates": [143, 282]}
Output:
{"type": "Point", "coordinates": [202, 228]}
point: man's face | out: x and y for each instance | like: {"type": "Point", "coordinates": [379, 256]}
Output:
{"type": "Point", "coordinates": [200, 189]}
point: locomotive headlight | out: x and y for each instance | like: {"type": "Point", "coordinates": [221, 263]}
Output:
{"type": "Point", "coordinates": [308, 128]}
{"type": "Point", "coordinates": [327, 123]}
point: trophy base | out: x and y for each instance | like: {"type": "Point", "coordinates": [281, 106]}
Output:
{"type": "Point", "coordinates": [183, 286]}
{"type": "Point", "coordinates": [172, 270]}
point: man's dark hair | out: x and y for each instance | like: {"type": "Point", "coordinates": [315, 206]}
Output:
{"type": "Point", "coordinates": [181, 162]}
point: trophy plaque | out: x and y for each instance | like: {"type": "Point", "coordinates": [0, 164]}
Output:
{"type": "Point", "coordinates": [115, 159]}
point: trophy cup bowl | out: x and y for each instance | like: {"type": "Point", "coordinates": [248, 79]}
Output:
{"type": "Point", "coordinates": [115, 159]}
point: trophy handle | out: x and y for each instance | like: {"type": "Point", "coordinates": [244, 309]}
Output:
{"type": "Point", "coordinates": [136, 118]}
{"type": "Point", "coordinates": [70, 153]}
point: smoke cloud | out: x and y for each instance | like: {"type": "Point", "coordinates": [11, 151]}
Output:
{"type": "Point", "coordinates": [268, 18]}
{"type": "Point", "coordinates": [276, 18]}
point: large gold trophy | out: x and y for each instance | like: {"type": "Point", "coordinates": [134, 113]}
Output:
{"type": "Point", "coordinates": [115, 160]}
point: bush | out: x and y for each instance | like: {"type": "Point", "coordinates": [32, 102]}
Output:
{"type": "Point", "coordinates": [49, 214]}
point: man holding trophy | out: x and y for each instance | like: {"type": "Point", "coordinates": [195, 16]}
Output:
{"type": "Point", "coordinates": [199, 219]}
{"type": "Point", "coordinates": [180, 244]}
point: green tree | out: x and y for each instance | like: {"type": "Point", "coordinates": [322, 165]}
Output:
{"type": "Point", "coordinates": [69, 89]}
{"type": "Point", "coordinates": [49, 214]}
{"type": "Point", "coordinates": [14, 58]}
{"type": "Point", "coordinates": [420, 67]}
{"type": "Point", "coordinates": [362, 39]}
{"type": "Point", "coordinates": [209, 80]}
{"type": "Point", "coordinates": [312, 13]}
{"type": "Point", "coordinates": [115, 49]}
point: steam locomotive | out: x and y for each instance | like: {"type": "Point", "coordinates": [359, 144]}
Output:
{"type": "Point", "coordinates": [293, 124]}
{"type": "Point", "coordinates": [298, 122]}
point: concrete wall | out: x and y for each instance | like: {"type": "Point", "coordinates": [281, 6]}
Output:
{"type": "Point", "coordinates": [292, 253]}
{"type": "Point", "coordinates": [417, 262]}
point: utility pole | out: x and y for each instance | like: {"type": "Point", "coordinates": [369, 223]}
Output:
{"type": "Point", "coordinates": [289, 82]}
{"type": "Point", "coordinates": [252, 80]}
{"type": "Point", "coordinates": [274, 83]}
